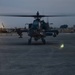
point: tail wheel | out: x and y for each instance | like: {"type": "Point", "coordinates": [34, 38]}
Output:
{"type": "Point", "coordinates": [43, 40]}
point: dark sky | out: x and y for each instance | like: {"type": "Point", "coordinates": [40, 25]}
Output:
{"type": "Point", "coordinates": [32, 6]}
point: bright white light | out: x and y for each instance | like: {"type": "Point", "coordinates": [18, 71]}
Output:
{"type": "Point", "coordinates": [1, 26]}
{"type": "Point", "coordinates": [62, 46]}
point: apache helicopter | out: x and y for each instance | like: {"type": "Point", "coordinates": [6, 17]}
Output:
{"type": "Point", "coordinates": [39, 29]}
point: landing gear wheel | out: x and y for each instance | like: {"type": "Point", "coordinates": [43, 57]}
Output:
{"type": "Point", "coordinates": [54, 35]}
{"type": "Point", "coordinates": [43, 40]}
{"type": "Point", "coordinates": [29, 41]}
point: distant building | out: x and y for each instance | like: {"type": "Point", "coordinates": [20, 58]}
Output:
{"type": "Point", "coordinates": [3, 30]}
{"type": "Point", "coordinates": [64, 26]}
{"type": "Point", "coordinates": [73, 26]}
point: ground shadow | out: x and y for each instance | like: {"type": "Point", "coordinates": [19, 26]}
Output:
{"type": "Point", "coordinates": [32, 44]}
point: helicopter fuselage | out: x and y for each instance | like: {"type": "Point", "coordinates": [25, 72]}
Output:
{"type": "Point", "coordinates": [39, 30]}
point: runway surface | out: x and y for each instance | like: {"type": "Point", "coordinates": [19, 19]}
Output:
{"type": "Point", "coordinates": [57, 57]}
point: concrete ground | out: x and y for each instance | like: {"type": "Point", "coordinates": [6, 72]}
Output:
{"type": "Point", "coordinates": [57, 57]}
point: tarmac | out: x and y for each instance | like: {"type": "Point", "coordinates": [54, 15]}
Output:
{"type": "Point", "coordinates": [56, 57]}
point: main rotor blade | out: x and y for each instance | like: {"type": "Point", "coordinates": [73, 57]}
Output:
{"type": "Point", "coordinates": [69, 15]}
{"type": "Point", "coordinates": [10, 15]}
{"type": "Point", "coordinates": [16, 15]}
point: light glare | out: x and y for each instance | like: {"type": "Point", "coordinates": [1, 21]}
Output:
{"type": "Point", "coordinates": [62, 46]}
